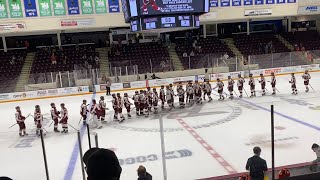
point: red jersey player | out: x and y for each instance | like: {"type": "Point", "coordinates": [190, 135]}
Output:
{"type": "Point", "coordinates": [37, 109]}
{"type": "Point", "coordinates": [115, 107]}
{"type": "Point", "coordinates": [136, 102]}
{"type": "Point", "coordinates": [64, 118]}
{"type": "Point", "coordinates": [83, 111]}
{"type": "Point", "coordinates": [55, 116]}
{"type": "Point", "coordinates": [20, 121]}
{"type": "Point", "coordinates": [95, 112]}
{"type": "Point", "coordinates": [153, 5]}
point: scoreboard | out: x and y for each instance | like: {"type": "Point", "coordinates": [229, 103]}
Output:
{"type": "Point", "coordinates": [165, 22]}
{"type": "Point", "coordinates": [163, 14]}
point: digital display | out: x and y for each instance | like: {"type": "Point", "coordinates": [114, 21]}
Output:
{"type": "Point", "coordinates": [159, 7]}
{"type": "Point", "coordinates": [135, 25]}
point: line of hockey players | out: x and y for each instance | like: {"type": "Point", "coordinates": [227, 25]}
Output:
{"type": "Point", "coordinates": [146, 101]}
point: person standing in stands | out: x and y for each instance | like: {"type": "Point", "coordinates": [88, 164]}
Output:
{"type": "Point", "coordinates": [143, 174]}
{"type": "Point", "coordinates": [256, 165]}
{"type": "Point", "coordinates": [315, 164]}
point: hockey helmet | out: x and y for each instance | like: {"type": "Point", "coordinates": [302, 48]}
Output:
{"type": "Point", "coordinates": [137, 92]}
{"type": "Point", "coordinates": [170, 85]}
{"type": "Point", "coordinates": [218, 79]}
{"type": "Point", "coordinates": [141, 91]}
{"type": "Point", "coordinates": [93, 101]}
{"type": "Point", "coordinates": [239, 75]}
{"type": "Point", "coordinates": [113, 95]}
{"type": "Point", "coordinates": [84, 101]}
{"type": "Point", "coordinates": [196, 81]}
{"type": "Point", "coordinates": [250, 75]}
{"type": "Point", "coordinates": [52, 104]}
{"type": "Point", "coordinates": [167, 87]}
{"type": "Point", "coordinates": [229, 77]}
{"type": "Point", "coordinates": [125, 94]}
{"type": "Point", "coordinates": [306, 71]}
{"type": "Point", "coordinates": [261, 74]}
{"type": "Point", "coordinates": [162, 86]}
{"type": "Point", "coordinates": [292, 74]}
{"type": "Point", "coordinates": [148, 88]}
{"type": "Point", "coordinates": [17, 107]}
{"type": "Point", "coordinates": [118, 94]}
{"type": "Point", "coordinates": [102, 98]}
{"type": "Point", "coordinates": [272, 73]}
{"type": "Point", "coordinates": [154, 89]}
{"type": "Point", "coordinates": [37, 106]}
{"type": "Point", "coordinates": [62, 104]}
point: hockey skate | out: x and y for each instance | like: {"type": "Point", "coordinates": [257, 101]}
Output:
{"type": "Point", "coordinates": [99, 127]}
{"type": "Point", "coordinates": [231, 97]}
{"type": "Point", "coordinates": [122, 119]}
{"type": "Point", "coordinates": [129, 115]}
{"type": "Point", "coordinates": [56, 130]}
{"type": "Point", "coordinates": [274, 93]}
{"type": "Point", "coordinates": [240, 96]}
{"type": "Point", "coordinates": [252, 95]}
{"type": "Point", "coordinates": [307, 90]}
{"type": "Point", "coordinates": [210, 99]}
{"type": "Point", "coordinates": [115, 118]}
{"type": "Point", "coordinates": [25, 133]}
{"type": "Point", "coordinates": [20, 134]}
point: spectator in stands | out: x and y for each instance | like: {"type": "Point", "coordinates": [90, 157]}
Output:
{"type": "Point", "coordinates": [53, 58]}
{"type": "Point", "coordinates": [260, 48]}
{"type": "Point", "coordinates": [256, 165]}
{"type": "Point", "coordinates": [143, 174]}
{"type": "Point", "coordinates": [13, 60]}
{"type": "Point", "coordinates": [119, 42]}
{"type": "Point", "coordinates": [117, 53]}
{"type": "Point", "coordinates": [26, 44]}
{"type": "Point", "coordinates": [226, 56]}
{"type": "Point", "coordinates": [185, 54]}
{"type": "Point", "coordinates": [130, 42]}
{"type": "Point", "coordinates": [315, 166]}
{"type": "Point", "coordinates": [192, 53]}
{"type": "Point", "coordinates": [163, 66]}
{"type": "Point", "coordinates": [77, 47]}
{"type": "Point", "coordinates": [65, 59]}
{"type": "Point", "coordinates": [302, 48]}
{"type": "Point", "coordinates": [97, 60]}
{"type": "Point", "coordinates": [153, 76]}
{"type": "Point", "coordinates": [199, 49]}
{"type": "Point", "coordinates": [194, 44]}
{"type": "Point", "coordinates": [102, 164]}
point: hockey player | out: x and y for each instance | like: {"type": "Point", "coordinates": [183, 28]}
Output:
{"type": "Point", "coordinates": [64, 118]}
{"type": "Point", "coordinates": [120, 106]}
{"type": "Point", "coordinates": [136, 102]}
{"type": "Point", "coordinates": [293, 84]}
{"type": "Point", "coordinates": [169, 98]}
{"type": "Point", "coordinates": [95, 113]}
{"type": "Point", "coordinates": [115, 107]}
{"type": "Point", "coordinates": [155, 99]}
{"type": "Point", "coordinates": [152, 3]}
{"type": "Point", "coordinates": [127, 104]}
{"type": "Point", "coordinates": [208, 88]}
{"type": "Point", "coordinates": [240, 83]}
{"type": "Point", "coordinates": [149, 97]}
{"type": "Point", "coordinates": [197, 93]}
{"type": "Point", "coordinates": [306, 77]}
{"type": "Point", "coordinates": [103, 108]}
{"type": "Point", "coordinates": [37, 109]}
{"type": "Point", "coordinates": [20, 121]}
{"type": "Point", "coordinates": [83, 111]}
{"type": "Point", "coordinates": [190, 93]}
{"type": "Point", "coordinates": [204, 90]}
{"type": "Point", "coordinates": [220, 89]}
{"type": "Point", "coordinates": [181, 92]}
{"type": "Point", "coordinates": [230, 86]}
{"type": "Point", "coordinates": [162, 96]}
{"type": "Point", "coordinates": [172, 93]}
{"type": "Point", "coordinates": [55, 117]}
{"type": "Point", "coordinates": [263, 84]}
{"type": "Point", "coordinates": [39, 119]}
{"type": "Point", "coordinates": [143, 103]}
{"type": "Point", "coordinates": [252, 86]}
{"type": "Point", "coordinates": [273, 83]}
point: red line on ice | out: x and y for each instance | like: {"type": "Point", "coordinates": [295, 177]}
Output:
{"type": "Point", "coordinates": [204, 144]}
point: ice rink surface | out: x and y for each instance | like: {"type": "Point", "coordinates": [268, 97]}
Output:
{"type": "Point", "coordinates": [200, 141]}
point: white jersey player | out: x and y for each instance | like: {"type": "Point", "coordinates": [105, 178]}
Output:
{"type": "Point", "coordinates": [181, 92]}
{"type": "Point", "coordinates": [240, 83]}
{"type": "Point", "coordinates": [306, 77]}
{"type": "Point", "coordinates": [127, 104]}
{"type": "Point", "coordinates": [83, 111]}
{"type": "Point", "coordinates": [64, 118]}
{"type": "Point", "coordinates": [208, 88]}
{"type": "Point", "coordinates": [263, 84]}
{"type": "Point", "coordinates": [103, 108]}
{"type": "Point", "coordinates": [169, 98]}
{"type": "Point", "coordinates": [155, 99]}
{"type": "Point", "coordinates": [95, 113]}
{"type": "Point", "coordinates": [190, 93]}
{"type": "Point", "coordinates": [230, 86]}
{"type": "Point", "coordinates": [273, 83]}
{"type": "Point", "coordinates": [252, 85]}
{"type": "Point", "coordinates": [120, 106]}
{"type": "Point", "coordinates": [220, 89]}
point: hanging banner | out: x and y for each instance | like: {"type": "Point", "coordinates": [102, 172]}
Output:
{"type": "Point", "coordinates": [15, 9]}
{"type": "Point", "coordinates": [269, 1]}
{"type": "Point", "coordinates": [114, 6]}
{"type": "Point", "coordinates": [224, 3]}
{"type": "Point", "coordinates": [3, 9]}
{"type": "Point", "coordinates": [258, 2]}
{"type": "Point", "coordinates": [258, 12]}
{"type": "Point", "coordinates": [248, 2]}
{"type": "Point", "coordinates": [45, 7]}
{"type": "Point", "coordinates": [291, 1]}
{"type": "Point", "coordinates": [77, 22]}
{"type": "Point", "coordinates": [59, 7]}
{"type": "Point", "coordinates": [73, 7]}
{"type": "Point", "coordinates": [236, 2]}
{"type": "Point", "coordinates": [214, 3]}
{"type": "Point", "coordinates": [281, 1]}
{"type": "Point", "coordinates": [30, 8]}
{"type": "Point", "coordinates": [86, 7]}
{"type": "Point", "coordinates": [100, 6]}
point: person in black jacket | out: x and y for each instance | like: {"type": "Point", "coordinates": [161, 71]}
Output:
{"type": "Point", "coordinates": [256, 165]}
{"type": "Point", "coordinates": [143, 174]}
{"type": "Point", "coordinates": [102, 164]}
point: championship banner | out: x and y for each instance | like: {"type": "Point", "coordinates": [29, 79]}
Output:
{"type": "Point", "coordinates": [15, 9]}
{"type": "Point", "coordinates": [248, 2]}
{"type": "Point", "coordinates": [214, 3]}
{"type": "Point", "coordinates": [86, 7]}
{"type": "Point", "coordinates": [3, 9]}
{"type": "Point", "coordinates": [114, 6]}
{"type": "Point", "coordinates": [224, 3]}
{"type": "Point", "coordinates": [270, 1]}
{"type": "Point", "coordinates": [236, 2]}
{"type": "Point", "coordinates": [59, 7]}
{"type": "Point", "coordinates": [100, 6]}
{"type": "Point", "coordinates": [30, 8]}
{"type": "Point", "coordinates": [73, 7]}
{"type": "Point", "coordinates": [258, 2]}
{"type": "Point", "coordinates": [45, 7]}
{"type": "Point", "coordinates": [281, 1]}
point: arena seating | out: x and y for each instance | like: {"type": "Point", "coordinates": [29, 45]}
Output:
{"type": "Point", "coordinates": [249, 44]}
{"type": "Point", "coordinates": [42, 62]}
{"type": "Point", "coordinates": [9, 73]}
{"type": "Point", "coordinates": [309, 39]}
{"type": "Point", "coordinates": [209, 46]}
{"type": "Point", "coordinates": [139, 54]}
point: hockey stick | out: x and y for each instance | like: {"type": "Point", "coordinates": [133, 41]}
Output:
{"type": "Point", "coordinates": [13, 125]}
{"type": "Point", "coordinates": [51, 123]}
{"type": "Point", "coordinates": [80, 120]}
{"type": "Point", "coordinates": [73, 127]}
{"type": "Point", "coordinates": [278, 90]}
{"type": "Point", "coordinates": [312, 87]}
{"type": "Point", "coordinates": [245, 92]}
{"type": "Point", "coordinates": [235, 93]}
